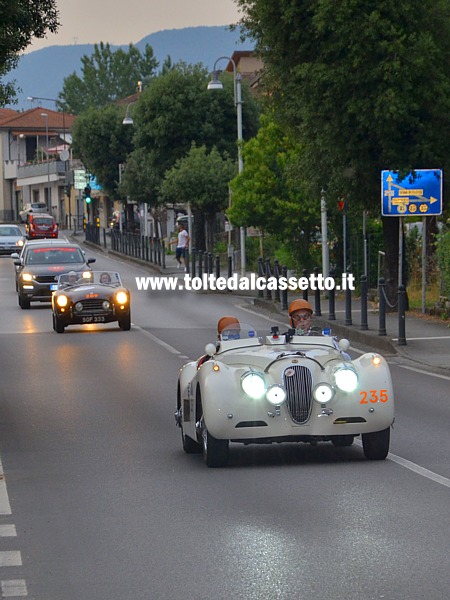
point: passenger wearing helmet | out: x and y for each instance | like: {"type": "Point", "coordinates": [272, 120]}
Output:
{"type": "Point", "coordinates": [301, 316]}
{"type": "Point", "coordinates": [228, 328]}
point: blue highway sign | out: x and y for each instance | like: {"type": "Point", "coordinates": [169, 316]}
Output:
{"type": "Point", "coordinates": [418, 194]}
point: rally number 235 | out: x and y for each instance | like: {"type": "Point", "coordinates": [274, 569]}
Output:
{"type": "Point", "coordinates": [373, 396]}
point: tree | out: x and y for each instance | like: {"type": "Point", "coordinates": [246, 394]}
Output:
{"type": "Point", "coordinates": [21, 20]}
{"type": "Point", "coordinates": [364, 86]}
{"type": "Point", "coordinates": [102, 143]}
{"type": "Point", "coordinates": [177, 110]}
{"type": "Point", "coordinates": [107, 76]}
{"type": "Point", "coordinates": [201, 179]}
{"type": "Point", "coordinates": [271, 195]}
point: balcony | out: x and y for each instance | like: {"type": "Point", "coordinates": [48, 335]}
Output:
{"type": "Point", "coordinates": [39, 172]}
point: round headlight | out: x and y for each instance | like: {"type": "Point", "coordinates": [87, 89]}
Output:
{"type": "Point", "coordinates": [323, 393]}
{"type": "Point", "coordinates": [62, 301]}
{"type": "Point", "coordinates": [121, 297]}
{"type": "Point", "coordinates": [27, 276]}
{"type": "Point", "coordinates": [253, 385]}
{"type": "Point", "coordinates": [105, 305]}
{"type": "Point", "coordinates": [276, 394]}
{"type": "Point", "coordinates": [346, 379]}
{"type": "Point", "coordinates": [78, 306]}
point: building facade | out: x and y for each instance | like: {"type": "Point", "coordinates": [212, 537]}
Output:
{"type": "Point", "coordinates": [35, 162]}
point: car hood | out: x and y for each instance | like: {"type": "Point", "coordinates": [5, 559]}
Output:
{"type": "Point", "coordinates": [55, 270]}
{"type": "Point", "coordinates": [10, 239]}
{"type": "Point", "coordinates": [259, 357]}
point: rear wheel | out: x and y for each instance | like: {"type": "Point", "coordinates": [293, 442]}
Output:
{"type": "Point", "coordinates": [24, 303]}
{"type": "Point", "coordinates": [189, 445]}
{"type": "Point", "coordinates": [376, 445]}
{"type": "Point", "coordinates": [125, 322]}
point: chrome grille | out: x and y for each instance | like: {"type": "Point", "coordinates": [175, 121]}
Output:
{"type": "Point", "coordinates": [92, 306]}
{"type": "Point", "coordinates": [298, 384]}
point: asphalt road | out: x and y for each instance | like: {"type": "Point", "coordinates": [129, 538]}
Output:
{"type": "Point", "coordinates": [98, 500]}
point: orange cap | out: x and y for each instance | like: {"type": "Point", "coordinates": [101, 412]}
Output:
{"type": "Point", "coordinates": [299, 304]}
{"type": "Point", "coordinates": [226, 322]}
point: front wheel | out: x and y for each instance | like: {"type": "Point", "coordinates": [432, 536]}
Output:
{"type": "Point", "coordinates": [125, 322]}
{"type": "Point", "coordinates": [57, 325]}
{"type": "Point", "coordinates": [342, 441]}
{"type": "Point", "coordinates": [215, 452]}
{"type": "Point", "coordinates": [376, 445]}
{"type": "Point", "coordinates": [24, 303]}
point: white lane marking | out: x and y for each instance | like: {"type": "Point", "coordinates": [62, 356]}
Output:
{"type": "Point", "coordinates": [422, 372]}
{"type": "Point", "coordinates": [168, 347]}
{"type": "Point", "coordinates": [415, 468]}
{"type": "Point", "coordinates": [8, 531]}
{"type": "Point", "coordinates": [5, 507]}
{"type": "Point", "coordinates": [10, 558]}
{"type": "Point", "coordinates": [419, 470]}
{"type": "Point", "coordinates": [12, 588]}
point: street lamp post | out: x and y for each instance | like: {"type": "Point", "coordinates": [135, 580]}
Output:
{"type": "Point", "coordinates": [49, 193]}
{"type": "Point", "coordinates": [31, 98]}
{"type": "Point", "coordinates": [216, 84]}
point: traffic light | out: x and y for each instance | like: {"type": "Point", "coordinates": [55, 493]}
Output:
{"type": "Point", "coordinates": [87, 194]}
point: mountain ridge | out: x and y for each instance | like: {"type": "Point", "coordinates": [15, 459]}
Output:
{"type": "Point", "coordinates": [202, 44]}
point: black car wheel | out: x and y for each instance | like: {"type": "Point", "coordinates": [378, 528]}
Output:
{"type": "Point", "coordinates": [125, 322]}
{"type": "Point", "coordinates": [57, 325]}
{"type": "Point", "coordinates": [189, 445]}
{"type": "Point", "coordinates": [376, 445]}
{"type": "Point", "coordinates": [24, 303]}
{"type": "Point", "coordinates": [215, 452]}
{"type": "Point", "coordinates": [342, 441]}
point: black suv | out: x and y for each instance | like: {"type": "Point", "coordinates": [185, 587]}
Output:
{"type": "Point", "coordinates": [40, 265]}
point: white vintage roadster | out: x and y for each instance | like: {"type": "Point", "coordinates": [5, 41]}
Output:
{"type": "Point", "coordinates": [283, 388]}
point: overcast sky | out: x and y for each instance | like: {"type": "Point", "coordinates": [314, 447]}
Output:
{"type": "Point", "coordinates": [92, 21]}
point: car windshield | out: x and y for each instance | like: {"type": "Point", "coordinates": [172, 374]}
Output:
{"type": "Point", "coordinates": [10, 231]}
{"type": "Point", "coordinates": [241, 331]}
{"type": "Point", "coordinates": [90, 277]}
{"type": "Point", "coordinates": [37, 205]}
{"type": "Point", "coordinates": [51, 255]}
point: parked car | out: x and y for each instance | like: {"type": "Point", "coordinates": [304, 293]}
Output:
{"type": "Point", "coordinates": [33, 207]}
{"type": "Point", "coordinates": [41, 227]}
{"type": "Point", "coordinates": [283, 388]}
{"type": "Point", "coordinates": [12, 239]}
{"type": "Point", "coordinates": [95, 297]}
{"type": "Point", "coordinates": [40, 265]}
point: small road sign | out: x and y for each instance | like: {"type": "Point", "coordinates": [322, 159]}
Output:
{"type": "Point", "coordinates": [419, 194]}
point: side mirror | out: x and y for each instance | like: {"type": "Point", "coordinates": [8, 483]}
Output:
{"type": "Point", "coordinates": [344, 345]}
{"type": "Point", "coordinates": [210, 349]}
{"type": "Point", "coordinates": [91, 260]}
{"type": "Point", "coordinates": [14, 255]}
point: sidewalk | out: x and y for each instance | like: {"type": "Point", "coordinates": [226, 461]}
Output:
{"type": "Point", "coordinates": [427, 338]}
